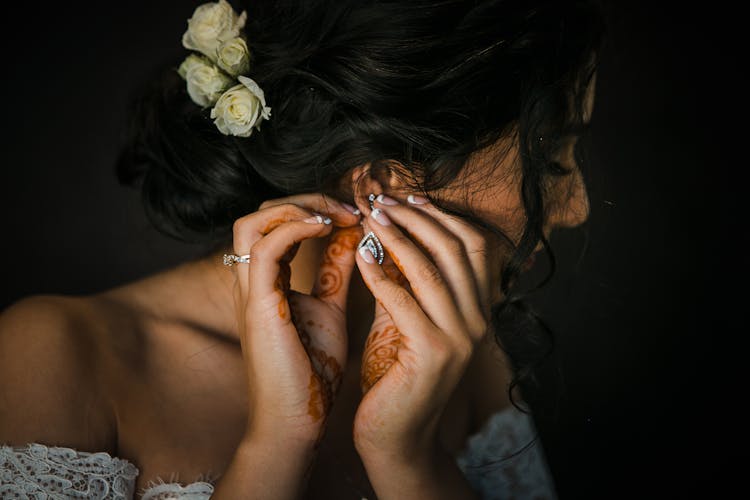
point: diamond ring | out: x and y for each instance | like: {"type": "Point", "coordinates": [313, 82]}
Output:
{"type": "Point", "coordinates": [231, 259]}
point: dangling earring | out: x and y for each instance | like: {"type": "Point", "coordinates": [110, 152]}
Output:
{"type": "Point", "coordinates": [370, 241]}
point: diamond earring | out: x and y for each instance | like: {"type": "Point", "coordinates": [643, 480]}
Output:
{"type": "Point", "coordinates": [372, 243]}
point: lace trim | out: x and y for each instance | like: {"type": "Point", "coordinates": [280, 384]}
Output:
{"type": "Point", "coordinates": [502, 460]}
{"type": "Point", "coordinates": [199, 490]}
{"type": "Point", "coordinates": [56, 472]}
{"type": "Point", "coordinates": [505, 459]}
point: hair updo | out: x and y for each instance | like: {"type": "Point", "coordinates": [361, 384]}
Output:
{"type": "Point", "coordinates": [423, 83]}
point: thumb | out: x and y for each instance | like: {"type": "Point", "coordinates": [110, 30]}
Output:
{"type": "Point", "coordinates": [335, 271]}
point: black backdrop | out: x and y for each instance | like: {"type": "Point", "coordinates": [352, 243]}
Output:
{"type": "Point", "coordinates": [632, 316]}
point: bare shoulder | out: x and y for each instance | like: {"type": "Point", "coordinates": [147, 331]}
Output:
{"type": "Point", "coordinates": [49, 380]}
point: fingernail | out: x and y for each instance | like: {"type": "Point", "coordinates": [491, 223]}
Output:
{"type": "Point", "coordinates": [317, 219]}
{"type": "Point", "coordinates": [416, 200]}
{"type": "Point", "coordinates": [380, 217]}
{"type": "Point", "coordinates": [386, 200]}
{"type": "Point", "coordinates": [367, 255]}
{"type": "Point", "coordinates": [350, 208]}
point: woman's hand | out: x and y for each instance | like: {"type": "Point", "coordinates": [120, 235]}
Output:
{"type": "Point", "coordinates": [424, 331]}
{"type": "Point", "coordinates": [294, 344]}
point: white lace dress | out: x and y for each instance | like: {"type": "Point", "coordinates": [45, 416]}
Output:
{"type": "Point", "coordinates": [39, 472]}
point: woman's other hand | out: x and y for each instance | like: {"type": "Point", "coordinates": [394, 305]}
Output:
{"type": "Point", "coordinates": [294, 344]}
{"type": "Point", "coordinates": [426, 325]}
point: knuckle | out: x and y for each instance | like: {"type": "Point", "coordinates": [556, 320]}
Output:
{"type": "Point", "coordinates": [285, 208]}
{"type": "Point", "coordinates": [378, 281]}
{"type": "Point", "coordinates": [400, 240]}
{"type": "Point", "coordinates": [239, 225]}
{"type": "Point", "coordinates": [274, 202]}
{"type": "Point", "coordinates": [440, 350]}
{"type": "Point", "coordinates": [473, 238]}
{"type": "Point", "coordinates": [401, 298]}
{"type": "Point", "coordinates": [447, 351]}
{"type": "Point", "coordinates": [464, 349]}
{"type": "Point", "coordinates": [479, 328]}
{"type": "Point", "coordinates": [476, 244]}
{"type": "Point", "coordinates": [453, 247]}
{"type": "Point", "coordinates": [429, 274]}
{"type": "Point", "coordinates": [295, 211]}
{"type": "Point", "coordinates": [265, 204]}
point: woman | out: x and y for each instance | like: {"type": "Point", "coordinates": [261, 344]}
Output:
{"type": "Point", "coordinates": [372, 177]}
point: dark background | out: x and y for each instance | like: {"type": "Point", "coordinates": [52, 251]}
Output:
{"type": "Point", "coordinates": [638, 318]}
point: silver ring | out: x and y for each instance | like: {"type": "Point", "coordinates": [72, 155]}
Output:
{"type": "Point", "coordinates": [231, 259]}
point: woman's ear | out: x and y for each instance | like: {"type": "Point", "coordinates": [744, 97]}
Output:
{"type": "Point", "coordinates": [363, 182]}
{"type": "Point", "coordinates": [386, 178]}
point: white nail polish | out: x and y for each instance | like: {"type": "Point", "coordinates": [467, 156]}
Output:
{"type": "Point", "coordinates": [416, 200]}
{"type": "Point", "coordinates": [350, 208]}
{"type": "Point", "coordinates": [317, 219]}
{"type": "Point", "coordinates": [386, 200]}
{"type": "Point", "coordinates": [367, 255]}
{"type": "Point", "coordinates": [380, 217]}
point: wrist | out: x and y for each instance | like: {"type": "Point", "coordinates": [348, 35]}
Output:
{"type": "Point", "coordinates": [301, 439]}
{"type": "Point", "coordinates": [424, 474]}
{"type": "Point", "coordinates": [407, 452]}
{"type": "Point", "coordinates": [409, 459]}
{"type": "Point", "coordinates": [268, 466]}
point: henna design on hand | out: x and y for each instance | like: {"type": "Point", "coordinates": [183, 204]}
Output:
{"type": "Point", "coordinates": [272, 224]}
{"type": "Point", "coordinates": [326, 376]}
{"type": "Point", "coordinates": [381, 351]}
{"type": "Point", "coordinates": [283, 284]}
{"type": "Point", "coordinates": [330, 278]}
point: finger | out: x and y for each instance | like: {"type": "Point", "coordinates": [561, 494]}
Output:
{"type": "Point", "coordinates": [429, 287]}
{"type": "Point", "coordinates": [334, 273]}
{"type": "Point", "coordinates": [251, 228]}
{"type": "Point", "coordinates": [266, 259]}
{"type": "Point", "coordinates": [342, 214]}
{"type": "Point", "coordinates": [484, 263]}
{"type": "Point", "coordinates": [403, 309]}
{"type": "Point", "coordinates": [448, 253]}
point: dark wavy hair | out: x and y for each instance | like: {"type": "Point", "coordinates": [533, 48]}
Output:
{"type": "Point", "coordinates": [422, 83]}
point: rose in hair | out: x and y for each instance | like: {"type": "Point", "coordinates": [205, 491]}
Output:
{"type": "Point", "coordinates": [205, 82]}
{"type": "Point", "coordinates": [234, 57]}
{"type": "Point", "coordinates": [212, 24]}
{"type": "Point", "coordinates": [241, 108]}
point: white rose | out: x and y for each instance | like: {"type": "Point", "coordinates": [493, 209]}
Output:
{"type": "Point", "coordinates": [234, 57]}
{"type": "Point", "coordinates": [211, 25]}
{"type": "Point", "coordinates": [241, 108]}
{"type": "Point", "coordinates": [205, 82]}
